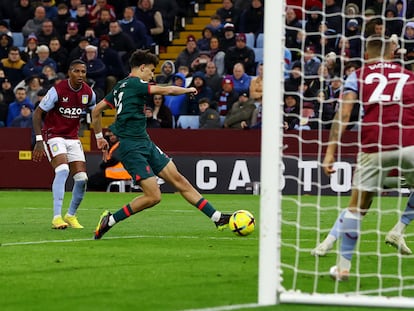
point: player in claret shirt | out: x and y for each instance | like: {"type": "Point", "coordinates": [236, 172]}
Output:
{"type": "Point", "coordinates": [386, 92]}
{"type": "Point", "coordinates": [58, 139]}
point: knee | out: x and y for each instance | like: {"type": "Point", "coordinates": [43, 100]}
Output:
{"type": "Point", "coordinates": [154, 198]}
{"type": "Point", "coordinates": [80, 177]}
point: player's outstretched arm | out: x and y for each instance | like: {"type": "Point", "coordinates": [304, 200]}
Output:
{"type": "Point", "coordinates": [172, 90]}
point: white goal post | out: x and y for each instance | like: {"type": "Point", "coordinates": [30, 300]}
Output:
{"type": "Point", "coordinates": [274, 287]}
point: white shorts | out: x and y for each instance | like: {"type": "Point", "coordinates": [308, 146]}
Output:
{"type": "Point", "coordinates": [373, 168]}
{"type": "Point", "coordinates": [71, 147]}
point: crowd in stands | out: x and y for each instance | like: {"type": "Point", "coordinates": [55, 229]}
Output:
{"type": "Point", "coordinates": [104, 33]}
{"type": "Point", "coordinates": [326, 43]}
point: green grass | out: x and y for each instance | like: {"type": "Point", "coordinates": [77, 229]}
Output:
{"type": "Point", "coordinates": [169, 257]}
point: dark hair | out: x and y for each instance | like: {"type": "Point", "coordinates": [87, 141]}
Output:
{"type": "Point", "coordinates": [76, 62]}
{"type": "Point", "coordinates": [204, 100]}
{"type": "Point", "coordinates": [143, 57]}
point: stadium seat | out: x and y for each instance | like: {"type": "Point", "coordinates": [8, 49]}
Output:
{"type": "Point", "coordinates": [250, 40]}
{"type": "Point", "coordinates": [258, 53]}
{"type": "Point", "coordinates": [188, 122]}
{"type": "Point", "coordinates": [18, 39]}
{"type": "Point", "coordinates": [260, 40]}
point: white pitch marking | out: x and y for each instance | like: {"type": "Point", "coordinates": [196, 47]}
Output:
{"type": "Point", "coordinates": [227, 308]}
{"type": "Point", "coordinates": [118, 238]}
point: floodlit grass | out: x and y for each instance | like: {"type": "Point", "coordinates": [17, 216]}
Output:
{"type": "Point", "coordinates": [169, 257]}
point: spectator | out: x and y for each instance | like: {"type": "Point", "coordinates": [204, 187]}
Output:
{"type": "Point", "coordinates": [161, 112]}
{"type": "Point", "coordinates": [73, 6]}
{"type": "Point", "coordinates": [176, 103]}
{"type": "Point", "coordinates": [34, 25]}
{"type": "Point", "coordinates": [79, 51]}
{"type": "Point", "coordinates": [215, 25]}
{"type": "Point", "coordinates": [199, 64]}
{"type": "Point", "coordinates": [229, 13]}
{"type": "Point", "coordinates": [333, 13]}
{"type": "Point", "coordinates": [189, 54]}
{"type": "Point", "coordinates": [153, 21]}
{"type": "Point", "coordinates": [151, 122]}
{"type": "Point", "coordinates": [393, 24]}
{"type": "Point", "coordinates": [5, 43]}
{"type": "Point", "coordinates": [229, 37]}
{"type": "Point", "coordinates": [209, 117]}
{"type": "Point", "coordinates": [4, 107]}
{"type": "Point", "coordinates": [135, 29]}
{"type": "Point", "coordinates": [212, 78]}
{"type": "Point", "coordinates": [91, 37]}
{"type": "Point", "coordinates": [7, 91]}
{"type": "Point", "coordinates": [240, 54]}
{"type": "Point", "coordinates": [167, 72]}
{"type": "Point", "coordinates": [353, 33]}
{"type": "Point", "coordinates": [59, 54]}
{"type": "Point", "coordinates": [256, 85]}
{"type": "Point", "coordinates": [32, 85]}
{"type": "Point", "coordinates": [30, 51]}
{"type": "Point", "coordinates": [24, 120]}
{"type": "Point", "coordinates": [102, 26]}
{"type": "Point", "coordinates": [82, 19]}
{"type": "Point", "coordinates": [408, 45]}
{"type": "Point", "coordinates": [313, 21]}
{"type": "Point", "coordinates": [120, 41]}
{"type": "Point", "coordinates": [15, 107]}
{"type": "Point", "coordinates": [110, 169]}
{"type": "Point", "coordinates": [203, 91]}
{"type": "Point", "coordinates": [97, 71]}
{"type": "Point", "coordinates": [96, 10]}
{"type": "Point", "coordinates": [46, 33]}
{"type": "Point", "coordinates": [13, 66]}
{"type": "Point", "coordinates": [185, 71]}
{"type": "Point", "coordinates": [62, 19]}
{"type": "Point", "coordinates": [241, 80]}
{"type": "Point", "coordinates": [35, 66]}
{"type": "Point", "coordinates": [291, 110]}
{"type": "Point", "coordinates": [21, 12]}
{"type": "Point", "coordinates": [311, 62]}
{"type": "Point", "coordinates": [71, 37]}
{"type": "Point", "coordinates": [50, 9]}
{"type": "Point", "coordinates": [292, 26]}
{"type": "Point", "coordinates": [241, 113]}
{"type": "Point", "coordinates": [227, 96]}
{"type": "Point", "coordinates": [217, 55]}
{"type": "Point", "coordinates": [5, 28]}
{"type": "Point", "coordinates": [112, 61]}
{"type": "Point", "coordinates": [256, 120]}
{"type": "Point", "coordinates": [203, 44]}
{"type": "Point", "coordinates": [49, 76]}
{"type": "Point", "coordinates": [252, 19]}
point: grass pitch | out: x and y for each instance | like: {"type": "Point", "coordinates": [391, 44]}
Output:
{"type": "Point", "coordinates": [169, 257]}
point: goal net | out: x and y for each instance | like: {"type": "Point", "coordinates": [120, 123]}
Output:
{"type": "Point", "coordinates": [326, 42]}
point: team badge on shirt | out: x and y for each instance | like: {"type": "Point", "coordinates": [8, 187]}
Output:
{"type": "Point", "coordinates": [85, 99]}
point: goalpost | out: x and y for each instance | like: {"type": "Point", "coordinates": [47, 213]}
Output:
{"type": "Point", "coordinates": [287, 271]}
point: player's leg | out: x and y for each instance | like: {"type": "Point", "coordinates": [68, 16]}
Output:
{"type": "Point", "coordinates": [171, 175]}
{"type": "Point", "coordinates": [57, 154]}
{"type": "Point", "coordinates": [349, 230]}
{"type": "Point", "coordinates": [395, 237]}
{"type": "Point", "coordinates": [77, 166]}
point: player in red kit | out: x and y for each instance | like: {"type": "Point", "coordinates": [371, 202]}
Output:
{"type": "Point", "coordinates": [58, 139]}
{"type": "Point", "coordinates": [386, 92]}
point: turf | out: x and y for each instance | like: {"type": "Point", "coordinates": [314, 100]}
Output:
{"type": "Point", "coordinates": [169, 257]}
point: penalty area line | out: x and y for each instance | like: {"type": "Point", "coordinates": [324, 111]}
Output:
{"type": "Point", "coordinates": [115, 238]}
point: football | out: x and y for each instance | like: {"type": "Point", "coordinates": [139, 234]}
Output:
{"type": "Point", "coordinates": [242, 223]}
